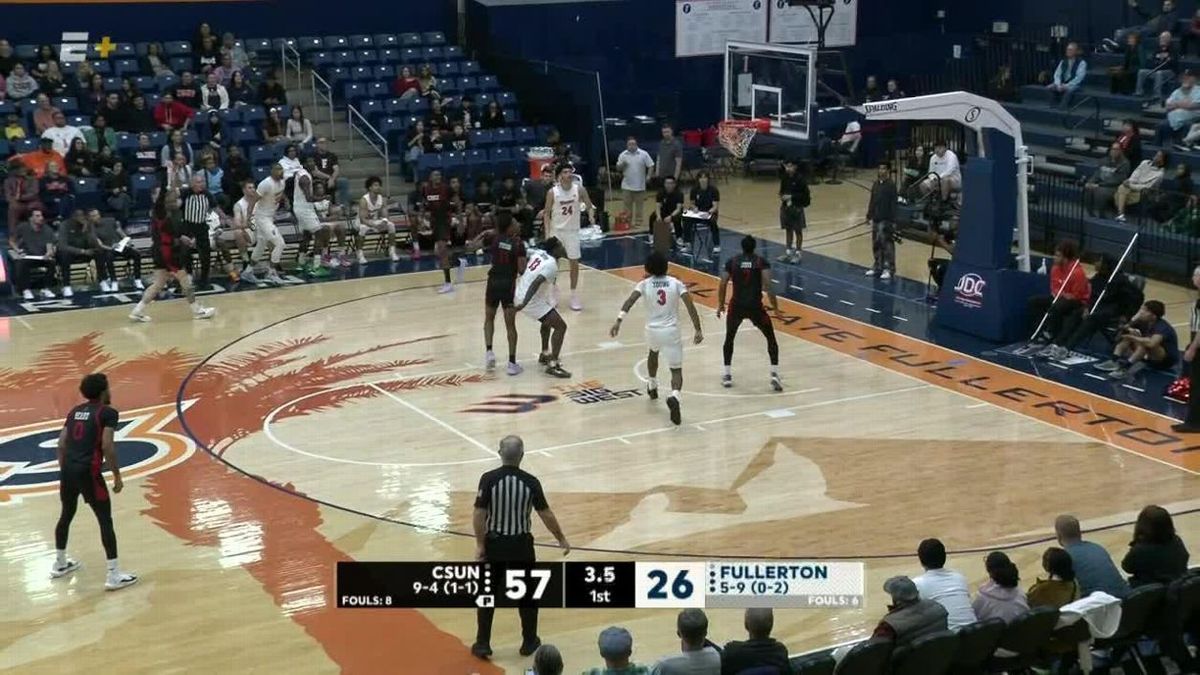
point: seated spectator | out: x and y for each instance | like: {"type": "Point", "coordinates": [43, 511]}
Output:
{"type": "Point", "coordinates": [179, 172]}
{"type": "Point", "coordinates": [1130, 140]}
{"type": "Point", "coordinates": [187, 91]}
{"type": "Point", "coordinates": [291, 161]}
{"type": "Point", "coordinates": [83, 76]}
{"type": "Point", "coordinates": [116, 191]}
{"type": "Point", "coordinates": [45, 56]}
{"type": "Point", "coordinates": [240, 92]}
{"type": "Point", "coordinates": [1175, 195]}
{"type": "Point", "coordinates": [945, 587]}
{"type": "Point", "coordinates": [943, 164]}
{"type": "Point", "coordinates": [467, 114]}
{"type": "Point", "coordinates": [43, 114]}
{"type": "Point", "coordinates": [146, 159]}
{"type": "Point", "coordinates": [1002, 87]}
{"type": "Point", "coordinates": [52, 81]}
{"type": "Point", "coordinates": [1121, 300]}
{"type": "Point", "coordinates": [1000, 597]}
{"type": "Point", "coordinates": [1069, 293]}
{"type": "Point", "coordinates": [208, 56]}
{"type": "Point", "coordinates": [237, 171]}
{"type": "Point", "coordinates": [1190, 37]}
{"type": "Point", "coordinates": [547, 661]}
{"type": "Point", "coordinates": [81, 162]}
{"type": "Point", "coordinates": [1183, 110]}
{"type": "Point", "coordinates": [616, 648]}
{"type": "Point", "coordinates": [437, 141]}
{"type": "Point", "coordinates": [38, 160]}
{"type": "Point", "coordinates": [154, 62]}
{"type": "Point", "coordinates": [1094, 568]}
{"type": "Point", "coordinates": [1187, 220]}
{"type": "Point", "coordinates": [1068, 76]}
{"type": "Point", "coordinates": [224, 72]}
{"type": "Point", "coordinates": [1161, 65]}
{"type": "Point", "coordinates": [437, 117]}
{"type": "Point", "coordinates": [117, 114]}
{"type": "Point", "coordinates": [213, 132]}
{"type": "Point", "coordinates": [406, 85]}
{"type": "Point", "coordinates": [871, 91]}
{"type": "Point", "coordinates": [1059, 587]}
{"type": "Point", "coordinates": [299, 128]}
{"type": "Point", "coordinates": [8, 60]}
{"type": "Point", "coordinates": [274, 129]}
{"type": "Point", "coordinates": [761, 653]}
{"type": "Point", "coordinates": [21, 193]}
{"type": "Point", "coordinates": [458, 137]}
{"type": "Point", "coordinates": [493, 117]}
{"type": "Point", "coordinates": [214, 180]}
{"type": "Point", "coordinates": [910, 616]}
{"type": "Point", "coordinates": [893, 90]}
{"type": "Point", "coordinates": [1156, 554]}
{"type": "Point", "coordinates": [32, 247]}
{"type": "Point", "coordinates": [1145, 177]}
{"type": "Point", "coordinates": [92, 97]}
{"type": "Point", "coordinates": [238, 57]}
{"type": "Point", "coordinates": [99, 136]}
{"type": "Point", "coordinates": [62, 134]}
{"type": "Point", "coordinates": [213, 96]}
{"type": "Point", "coordinates": [482, 207]}
{"type": "Point", "coordinates": [428, 82]}
{"type": "Point", "coordinates": [106, 236]}
{"type": "Point", "coordinates": [55, 191]}
{"type": "Point", "coordinates": [697, 656]}
{"type": "Point", "coordinates": [138, 117]}
{"type": "Point", "coordinates": [171, 115]}
{"type": "Point", "coordinates": [1099, 190]}
{"type": "Point", "coordinates": [176, 145]}
{"type": "Point", "coordinates": [1123, 78]}
{"type": "Point", "coordinates": [271, 93]}
{"type": "Point", "coordinates": [203, 31]}
{"type": "Point", "coordinates": [20, 84]}
{"type": "Point", "coordinates": [75, 245]}
{"type": "Point", "coordinates": [1147, 340]}
{"type": "Point", "coordinates": [13, 130]}
{"type": "Point", "coordinates": [328, 169]}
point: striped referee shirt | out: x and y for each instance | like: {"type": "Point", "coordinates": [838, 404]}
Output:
{"type": "Point", "coordinates": [1195, 322]}
{"type": "Point", "coordinates": [510, 495]}
{"type": "Point", "coordinates": [196, 207]}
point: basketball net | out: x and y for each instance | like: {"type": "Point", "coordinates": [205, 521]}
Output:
{"type": "Point", "coordinates": [737, 135]}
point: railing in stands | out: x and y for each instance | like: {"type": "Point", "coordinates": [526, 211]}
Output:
{"type": "Point", "coordinates": [1072, 124]}
{"type": "Point", "coordinates": [288, 56]}
{"type": "Point", "coordinates": [324, 93]}
{"type": "Point", "coordinates": [355, 122]}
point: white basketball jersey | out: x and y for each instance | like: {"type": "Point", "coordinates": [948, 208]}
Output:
{"type": "Point", "coordinates": [662, 296]}
{"type": "Point", "coordinates": [566, 207]}
{"type": "Point", "coordinates": [241, 212]}
{"type": "Point", "coordinates": [374, 209]}
{"type": "Point", "coordinates": [539, 264]}
{"type": "Point", "coordinates": [270, 192]}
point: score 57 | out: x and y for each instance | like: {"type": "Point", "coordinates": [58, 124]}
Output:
{"type": "Point", "coordinates": [670, 585]}
{"type": "Point", "coordinates": [526, 584]}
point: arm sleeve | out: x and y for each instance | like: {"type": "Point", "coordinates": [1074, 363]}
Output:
{"type": "Point", "coordinates": [1080, 74]}
{"type": "Point", "coordinates": [539, 496]}
{"type": "Point", "coordinates": [716, 195]}
{"type": "Point", "coordinates": [1059, 71]}
{"type": "Point", "coordinates": [483, 497]}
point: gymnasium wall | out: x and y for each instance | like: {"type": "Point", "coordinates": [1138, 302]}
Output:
{"type": "Point", "coordinates": [33, 21]}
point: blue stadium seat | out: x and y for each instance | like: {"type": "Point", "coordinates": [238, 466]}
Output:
{"type": "Point", "coordinates": [543, 132]}
{"type": "Point", "coordinates": [426, 163]}
{"type": "Point", "coordinates": [321, 59]}
{"type": "Point", "coordinates": [469, 68]}
{"type": "Point", "coordinates": [389, 55]}
{"type": "Point", "coordinates": [489, 83]}
{"type": "Point", "coordinates": [151, 99]}
{"type": "Point", "coordinates": [126, 142]}
{"type": "Point", "coordinates": [410, 55]}
{"type": "Point", "coordinates": [166, 81]}
{"type": "Point", "coordinates": [345, 57]}
{"type": "Point", "coordinates": [67, 104]}
{"type": "Point", "coordinates": [410, 39]}
{"type": "Point", "coordinates": [158, 139]}
{"type": "Point", "coordinates": [506, 99]}
{"type": "Point", "coordinates": [447, 85]}
{"type": "Point", "coordinates": [126, 50]}
{"type": "Point", "coordinates": [87, 192]}
{"type": "Point", "coordinates": [431, 54]}
{"type": "Point", "coordinates": [361, 41]}
{"type": "Point", "coordinates": [353, 91]}
{"type": "Point", "coordinates": [123, 67]}
{"type": "Point", "coordinates": [257, 45]}
{"type": "Point", "coordinates": [481, 138]}
{"type": "Point", "coordinates": [145, 83]}
{"type": "Point", "coordinates": [25, 52]}
{"type": "Point", "coordinates": [362, 74]}
{"type": "Point", "coordinates": [395, 106]}
{"type": "Point", "coordinates": [502, 136]}
{"type": "Point", "coordinates": [231, 117]}
{"type": "Point", "coordinates": [7, 108]}
{"type": "Point", "coordinates": [467, 85]}
{"type": "Point", "coordinates": [411, 120]}
{"type": "Point", "coordinates": [419, 105]}
{"type": "Point", "coordinates": [370, 108]}
{"type": "Point", "coordinates": [25, 145]}
{"type": "Point", "coordinates": [192, 136]}
{"type": "Point", "coordinates": [178, 64]}
{"type": "Point", "coordinates": [260, 173]}
{"type": "Point", "coordinates": [454, 164]}
{"type": "Point", "coordinates": [385, 40]}
{"type": "Point", "coordinates": [447, 69]}
{"type": "Point", "coordinates": [277, 45]}
{"type": "Point", "coordinates": [524, 135]}
{"type": "Point", "coordinates": [112, 84]}
{"type": "Point", "coordinates": [262, 155]}
{"type": "Point", "coordinates": [393, 128]}
{"type": "Point", "coordinates": [177, 48]}
{"type": "Point", "coordinates": [366, 57]}
{"type": "Point", "coordinates": [385, 73]}
{"type": "Point", "coordinates": [434, 38]}
{"type": "Point", "coordinates": [78, 120]}
{"type": "Point", "coordinates": [337, 75]}
{"type": "Point", "coordinates": [336, 42]}
{"type": "Point", "coordinates": [452, 52]}
{"type": "Point", "coordinates": [141, 188]}
{"type": "Point", "coordinates": [253, 114]}
{"type": "Point", "coordinates": [309, 44]}
{"type": "Point", "coordinates": [503, 161]}
{"type": "Point", "coordinates": [5, 150]}
{"type": "Point", "coordinates": [478, 162]}
{"type": "Point", "coordinates": [142, 48]}
{"type": "Point", "coordinates": [482, 100]}
{"type": "Point", "coordinates": [243, 135]}
{"type": "Point", "coordinates": [105, 68]}
{"type": "Point", "coordinates": [379, 90]}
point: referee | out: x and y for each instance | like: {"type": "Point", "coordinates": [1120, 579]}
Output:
{"type": "Point", "coordinates": [197, 204]}
{"type": "Point", "coordinates": [503, 504]}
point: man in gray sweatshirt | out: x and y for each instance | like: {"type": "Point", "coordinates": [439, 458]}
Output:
{"type": "Point", "coordinates": [75, 244]}
{"type": "Point", "coordinates": [32, 247]}
{"type": "Point", "coordinates": [106, 236]}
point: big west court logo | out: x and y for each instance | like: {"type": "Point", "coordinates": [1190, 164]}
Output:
{"type": "Point", "coordinates": [29, 460]}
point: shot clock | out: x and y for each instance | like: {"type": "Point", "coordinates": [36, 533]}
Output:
{"type": "Point", "coordinates": [612, 584]}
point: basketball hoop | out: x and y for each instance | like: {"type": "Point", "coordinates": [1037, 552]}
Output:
{"type": "Point", "coordinates": [737, 135]}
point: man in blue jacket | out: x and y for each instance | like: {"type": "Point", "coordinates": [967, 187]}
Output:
{"type": "Point", "coordinates": [1068, 76]}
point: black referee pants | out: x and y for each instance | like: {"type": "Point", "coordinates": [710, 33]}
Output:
{"type": "Point", "coordinates": [201, 254]}
{"type": "Point", "coordinates": [507, 548]}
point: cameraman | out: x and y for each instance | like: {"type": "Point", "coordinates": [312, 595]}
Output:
{"type": "Point", "coordinates": [881, 212]}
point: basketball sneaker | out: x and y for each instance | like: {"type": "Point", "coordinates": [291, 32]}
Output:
{"type": "Point", "coordinates": [795, 259]}
{"type": "Point", "coordinates": [118, 580]}
{"type": "Point", "coordinates": [489, 360]}
{"type": "Point", "coordinates": [137, 283]}
{"type": "Point", "coordinates": [885, 275]}
{"type": "Point", "coordinates": [673, 406]}
{"type": "Point", "coordinates": [776, 383]}
{"type": "Point", "coordinates": [67, 292]}
{"type": "Point", "coordinates": [139, 316]}
{"type": "Point", "coordinates": [652, 392]}
{"type": "Point", "coordinates": [27, 294]}
{"type": "Point", "coordinates": [200, 312]}
{"type": "Point", "coordinates": [870, 273]}
{"type": "Point", "coordinates": [362, 258]}
{"type": "Point", "coordinates": [543, 359]}
{"type": "Point", "coordinates": [392, 252]}
{"type": "Point", "coordinates": [556, 370]}
{"type": "Point", "coordinates": [446, 288]}
{"type": "Point", "coordinates": [727, 381]}
{"type": "Point", "coordinates": [249, 276]}
{"type": "Point", "coordinates": [460, 274]}
{"type": "Point", "coordinates": [47, 293]}
{"type": "Point", "coordinates": [273, 277]}
{"type": "Point", "coordinates": [515, 368]}
{"type": "Point", "coordinates": [576, 305]}
{"type": "Point", "coordinates": [786, 257]}
{"type": "Point", "coordinates": [716, 249]}
{"type": "Point", "coordinates": [62, 569]}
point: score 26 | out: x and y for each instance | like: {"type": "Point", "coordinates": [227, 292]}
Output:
{"type": "Point", "coordinates": [670, 585]}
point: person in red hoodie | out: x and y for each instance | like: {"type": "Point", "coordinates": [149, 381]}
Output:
{"type": "Point", "coordinates": [170, 114]}
{"type": "Point", "coordinates": [1067, 275]}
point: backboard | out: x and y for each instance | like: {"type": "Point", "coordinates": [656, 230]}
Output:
{"type": "Point", "coordinates": [776, 82]}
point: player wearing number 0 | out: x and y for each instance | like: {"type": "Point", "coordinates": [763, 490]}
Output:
{"type": "Point", "coordinates": [85, 445]}
{"type": "Point", "coordinates": [751, 276]}
{"type": "Point", "coordinates": [508, 259]}
{"type": "Point", "coordinates": [663, 293]}
{"type": "Point", "coordinates": [536, 298]}
{"type": "Point", "coordinates": [565, 202]}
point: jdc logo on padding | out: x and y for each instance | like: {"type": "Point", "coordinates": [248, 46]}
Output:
{"type": "Point", "coordinates": [968, 292]}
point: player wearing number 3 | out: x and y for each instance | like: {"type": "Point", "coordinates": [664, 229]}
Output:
{"type": "Point", "coordinates": [565, 202]}
{"type": "Point", "coordinates": [663, 293]}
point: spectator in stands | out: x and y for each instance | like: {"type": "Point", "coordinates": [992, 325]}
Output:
{"type": "Point", "coordinates": [1123, 78]}
{"type": "Point", "coordinates": [204, 30]}
{"type": "Point", "coordinates": [328, 169]}
{"type": "Point", "coordinates": [1130, 141]}
{"type": "Point", "coordinates": [1069, 293]}
{"type": "Point", "coordinates": [107, 236]}
{"type": "Point", "coordinates": [137, 117]}
{"type": "Point", "coordinates": [1161, 65]}
{"type": "Point", "coordinates": [458, 137]}
{"type": "Point", "coordinates": [493, 117]}
{"type": "Point", "coordinates": [83, 76]}
{"type": "Point", "coordinates": [533, 200]}
{"type": "Point", "coordinates": [13, 129]}
{"type": "Point", "coordinates": [179, 173]}
{"type": "Point", "coordinates": [1166, 20]}
{"type": "Point", "coordinates": [697, 655]}
{"type": "Point", "coordinates": [43, 114]}
{"type": "Point", "coordinates": [415, 145]}
{"type": "Point", "coordinates": [7, 60]}
{"type": "Point", "coordinates": [1148, 339]}
{"type": "Point", "coordinates": [117, 114]}
{"type": "Point", "coordinates": [214, 96]}
{"type": "Point", "coordinates": [45, 56]}
{"type": "Point", "coordinates": [187, 91]}
{"type": "Point", "coordinates": [1094, 568]}
{"type": "Point", "coordinates": [1145, 177]}
{"type": "Point", "coordinates": [213, 132]}
{"type": "Point", "coordinates": [547, 660]}
{"type": "Point", "coordinates": [1002, 87]}
{"type": "Point", "coordinates": [634, 165]}
{"type": "Point", "coordinates": [208, 56]}
{"type": "Point", "coordinates": [154, 62]}
{"type": "Point", "coordinates": [1156, 554]}
{"type": "Point", "coordinates": [616, 648]}
{"type": "Point", "coordinates": [3, 89]}
{"type": "Point", "coordinates": [271, 93]}
{"type": "Point", "coordinates": [38, 160]}
{"type": "Point", "coordinates": [406, 84]}
{"type": "Point", "coordinates": [1191, 36]}
{"type": "Point", "coordinates": [20, 192]}
{"type": "Point", "coordinates": [467, 113]}
{"type": "Point", "coordinates": [299, 128]}
{"type": "Point", "coordinates": [92, 98]}
{"type": "Point", "coordinates": [224, 72]}
{"type": "Point", "coordinates": [33, 246]}
{"type": "Point", "coordinates": [437, 117]}
{"type": "Point", "coordinates": [1121, 300]}
{"type": "Point", "coordinates": [893, 90]}
{"type": "Point", "coordinates": [146, 158]}
{"type": "Point", "coordinates": [99, 136]}
{"type": "Point", "coordinates": [1175, 195]}
{"type": "Point", "coordinates": [1183, 110]}
{"type": "Point", "coordinates": [238, 58]}
{"type": "Point", "coordinates": [240, 92]}
{"type": "Point", "coordinates": [945, 587]}
{"type": "Point", "coordinates": [237, 171]}
{"type": "Point", "coordinates": [911, 615]}
{"type": "Point", "coordinates": [428, 82]}
{"type": "Point", "coordinates": [75, 245]}
{"type": "Point", "coordinates": [1059, 587]}
{"type": "Point", "coordinates": [1099, 190]}
{"type": "Point", "coordinates": [52, 81]}
{"type": "Point", "coordinates": [171, 115]}
{"type": "Point", "coordinates": [1068, 76]}
{"type": "Point", "coordinates": [116, 190]}
{"type": "Point", "coordinates": [19, 83]}
{"type": "Point", "coordinates": [81, 162]}
{"type": "Point", "coordinates": [1000, 597]}
{"type": "Point", "coordinates": [62, 134]}
{"type": "Point", "coordinates": [176, 145]}
{"type": "Point", "coordinates": [871, 91]}
{"type": "Point", "coordinates": [214, 181]}
{"type": "Point", "coordinates": [437, 141]}
{"type": "Point", "coordinates": [55, 191]}
{"type": "Point", "coordinates": [760, 652]}
{"type": "Point", "coordinates": [128, 89]}
{"type": "Point", "coordinates": [944, 171]}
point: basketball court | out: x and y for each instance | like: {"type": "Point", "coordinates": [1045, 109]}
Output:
{"type": "Point", "coordinates": [351, 420]}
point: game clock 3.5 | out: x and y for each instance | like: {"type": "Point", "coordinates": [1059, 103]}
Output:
{"type": "Point", "coordinates": [613, 584]}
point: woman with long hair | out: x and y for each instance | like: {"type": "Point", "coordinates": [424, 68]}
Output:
{"type": "Point", "coordinates": [92, 98]}
{"type": "Point", "coordinates": [81, 162]}
{"type": "Point", "coordinates": [299, 129]}
{"type": "Point", "coordinates": [1059, 587]}
{"type": "Point", "coordinates": [1000, 597]}
{"type": "Point", "coordinates": [168, 250]}
{"type": "Point", "coordinates": [240, 92]}
{"type": "Point", "coordinates": [493, 117]}
{"type": "Point", "coordinates": [1070, 292]}
{"type": "Point", "coordinates": [273, 127]}
{"type": "Point", "coordinates": [1156, 554]}
{"type": "Point", "coordinates": [155, 61]}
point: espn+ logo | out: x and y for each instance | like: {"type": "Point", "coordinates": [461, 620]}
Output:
{"type": "Point", "coordinates": [74, 47]}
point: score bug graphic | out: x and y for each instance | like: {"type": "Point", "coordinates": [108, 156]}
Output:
{"type": "Point", "coordinates": [670, 585]}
